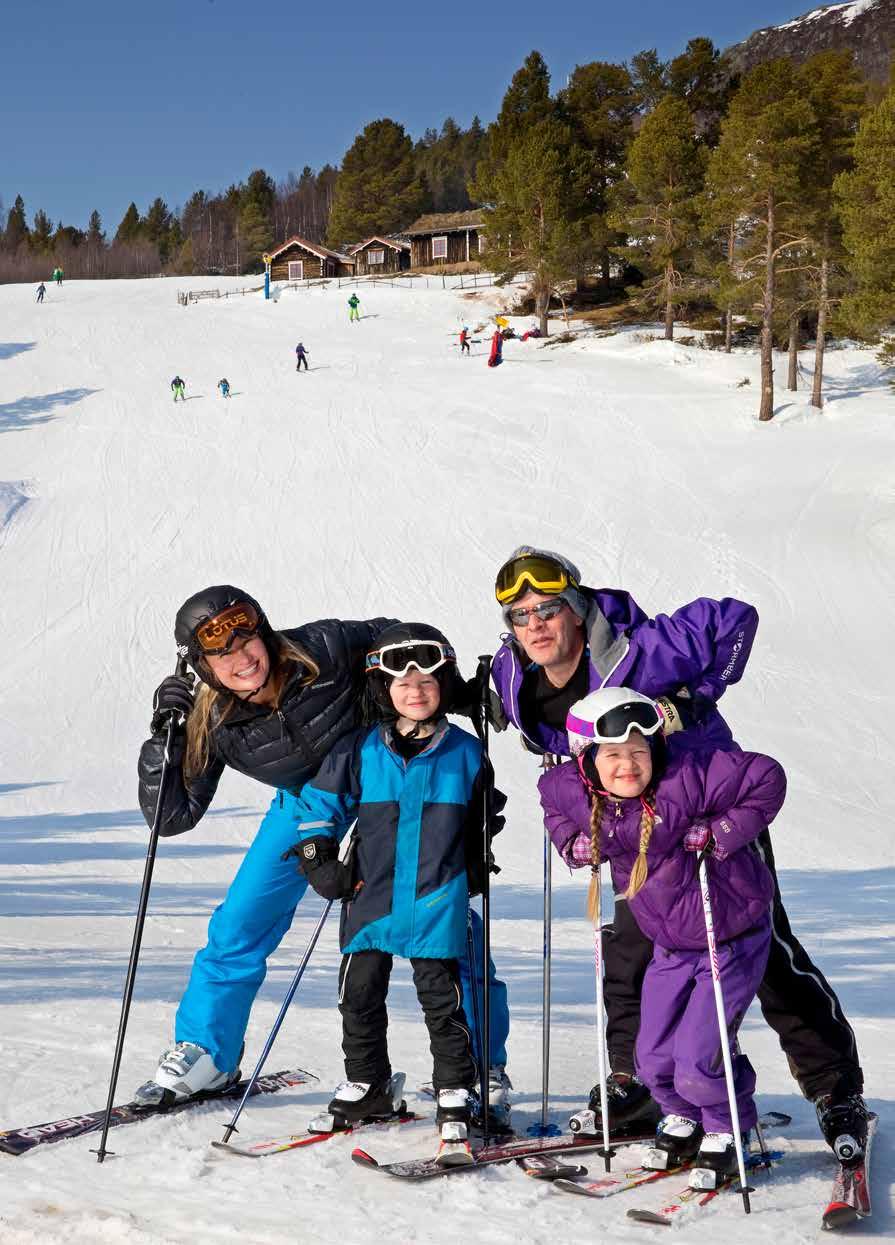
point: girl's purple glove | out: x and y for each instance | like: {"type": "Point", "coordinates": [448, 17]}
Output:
{"type": "Point", "coordinates": [698, 838]}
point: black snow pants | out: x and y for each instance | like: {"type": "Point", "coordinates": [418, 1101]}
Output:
{"type": "Point", "coordinates": [363, 987]}
{"type": "Point", "coordinates": [796, 999]}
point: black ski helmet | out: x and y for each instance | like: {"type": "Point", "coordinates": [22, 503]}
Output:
{"type": "Point", "coordinates": [207, 604]}
{"type": "Point", "coordinates": [379, 705]}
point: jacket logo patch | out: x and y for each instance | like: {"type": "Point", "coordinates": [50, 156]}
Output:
{"type": "Point", "coordinates": [309, 851]}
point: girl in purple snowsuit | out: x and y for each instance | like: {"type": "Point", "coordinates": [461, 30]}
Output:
{"type": "Point", "coordinates": [621, 800]}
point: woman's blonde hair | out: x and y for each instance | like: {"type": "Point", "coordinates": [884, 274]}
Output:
{"type": "Point", "coordinates": [200, 723]}
{"type": "Point", "coordinates": [640, 870]}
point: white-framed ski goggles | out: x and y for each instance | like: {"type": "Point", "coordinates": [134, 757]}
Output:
{"type": "Point", "coordinates": [396, 659]}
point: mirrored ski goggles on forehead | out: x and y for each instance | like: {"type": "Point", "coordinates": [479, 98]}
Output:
{"type": "Point", "coordinates": [545, 610]}
{"type": "Point", "coordinates": [397, 659]}
{"type": "Point", "coordinates": [615, 726]}
{"type": "Point", "coordinates": [532, 571]}
{"type": "Point", "coordinates": [216, 636]}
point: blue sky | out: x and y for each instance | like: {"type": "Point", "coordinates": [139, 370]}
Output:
{"type": "Point", "coordinates": [106, 102]}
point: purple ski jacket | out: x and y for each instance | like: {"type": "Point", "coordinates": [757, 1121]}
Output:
{"type": "Point", "coordinates": [736, 794]}
{"type": "Point", "coordinates": [703, 647]}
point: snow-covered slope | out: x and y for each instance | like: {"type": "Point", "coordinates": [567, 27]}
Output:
{"type": "Point", "coordinates": [394, 477]}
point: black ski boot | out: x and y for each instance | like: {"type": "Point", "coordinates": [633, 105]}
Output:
{"type": "Point", "coordinates": [453, 1118]}
{"type": "Point", "coordinates": [360, 1102]}
{"type": "Point", "coordinates": [716, 1160]}
{"type": "Point", "coordinates": [843, 1122]}
{"type": "Point", "coordinates": [677, 1141]}
{"type": "Point", "coordinates": [627, 1100]}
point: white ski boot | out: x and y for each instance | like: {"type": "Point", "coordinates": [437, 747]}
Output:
{"type": "Point", "coordinates": [361, 1102]}
{"type": "Point", "coordinates": [184, 1071]}
{"type": "Point", "coordinates": [716, 1161]}
{"type": "Point", "coordinates": [453, 1118]}
{"type": "Point", "coordinates": [677, 1141]}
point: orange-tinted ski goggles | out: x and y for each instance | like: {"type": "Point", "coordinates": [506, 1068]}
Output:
{"type": "Point", "coordinates": [215, 637]}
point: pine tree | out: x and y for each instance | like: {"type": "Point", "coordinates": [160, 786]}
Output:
{"type": "Point", "coordinates": [528, 228]}
{"type": "Point", "coordinates": [649, 76]}
{"type": "Point", "coordinates": [832, 85]}
{"type": "Point", "coordinates": [41, 233]}
{"type": "Point", "coordinates": [526, 103]}
{"type": "Point", "coordinates": [378, 189]}
{"type": "Point", "coordinates": [255, 235]}
{"type": "Point", "coordinates": [866, 202]}
{"type": "Point", "coordinates": [766, 147]}
{"type": "Point", "coordinates": [656, 204]}
{"type": "Point", "coordinates": [130, 229]}
{"type": "Point", "coordinates": [16, 227]}
{"type": "Point", "coordinates": [599, 103]}
{"type": "Point", "coordinates": [95, 235]}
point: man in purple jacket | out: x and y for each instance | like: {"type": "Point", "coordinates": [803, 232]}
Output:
{"type": "Point", "coordinates": [566, 640]}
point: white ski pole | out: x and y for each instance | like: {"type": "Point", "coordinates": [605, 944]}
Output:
{"type": "Point", "coordinates": [722, 1025]}
{"type": "Point", "coordinates": [601, 1021]}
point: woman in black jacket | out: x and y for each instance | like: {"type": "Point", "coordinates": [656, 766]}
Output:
{"type": "Point", "coordinates": [270, 704]}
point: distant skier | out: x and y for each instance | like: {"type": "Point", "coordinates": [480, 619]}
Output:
{"type": "Point", "coordinates": [301, 357]}
{"type": "Point", "coordinates": [57, 275]}
{"type": "Point", "coordinates": [224, 386]}
{"type": "Point", "coordinates": [496, 356]}
{"type": "Point", "coordinates": [464, 340]}
{"type": "Point", "coordinates": [354, 304]}
{"type": "Point", "coordinates": [41, 290]}
{"type": "Point", "coordinates": [178, 384]}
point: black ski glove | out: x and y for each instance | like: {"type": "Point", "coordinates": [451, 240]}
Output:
{"type": "Point", "coordinates": [469, 700]}
{"type": "Point", "coordinates": [318, 860]}
{"type": "Point", "coordinates": [173, 695]}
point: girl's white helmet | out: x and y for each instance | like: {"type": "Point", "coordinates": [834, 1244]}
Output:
{"type": "Point", "coordinates": [608, 715]}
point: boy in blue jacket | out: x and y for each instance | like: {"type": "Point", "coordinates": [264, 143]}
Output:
{"type": "Point", "coordinates": [415, 785]}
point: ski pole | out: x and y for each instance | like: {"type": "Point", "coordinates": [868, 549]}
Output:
{"type": "Point", "coordinates": [476, 1011]}
{"type": "Point", "coordinates": [544, 1128]}
{"type": "Point", "coordinates": [173, 723]}
{"type": "Point", "coordinates": [601, 1022]}
{"type": "Point", "coordinates": [483, 676]}
{"type": "Point", "coordinates": [290, 995]}
{"type": "Point", "coordinates": [722, 1025]}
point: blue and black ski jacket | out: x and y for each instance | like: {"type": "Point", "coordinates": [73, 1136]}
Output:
{"type": "Point", "coordinates": [419, 825]}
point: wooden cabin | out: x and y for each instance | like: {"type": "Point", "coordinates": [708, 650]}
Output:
{"type": "Point", "coordinates": [446, 238]}
{"type": "Point", "coordinates": [380, 255]}
{"type": "Point", "coordinates": [296, 259]}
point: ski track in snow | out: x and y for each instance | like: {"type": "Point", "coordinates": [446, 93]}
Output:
{"type": "Point", "coordinates": [393, 478]}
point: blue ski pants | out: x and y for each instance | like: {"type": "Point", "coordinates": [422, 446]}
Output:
{"type": "Point", "coordinates": [248, 927]}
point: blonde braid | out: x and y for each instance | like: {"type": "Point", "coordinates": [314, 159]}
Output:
{"type": "Point", "coordinates": [640, 870]}
{"type": "Point", "coordinates": [593, 893]}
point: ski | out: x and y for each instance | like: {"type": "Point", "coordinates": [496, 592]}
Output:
{"type": "Point", "coordinates": [267, 1146]}
{"type": "Point", "coordinates": [21, 1140]}
{"type": "Point", "coordinates": [486, 1156]}
{"type": "Point", "coordinates": [688, 1196]}
{"type": "Point", "coordinates": [850, 1199]}
{"type": "Point", "coordinates": [610, 1186]}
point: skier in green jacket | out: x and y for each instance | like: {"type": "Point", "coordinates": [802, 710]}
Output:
{"type": "Point", "coordinates": [353, 303]}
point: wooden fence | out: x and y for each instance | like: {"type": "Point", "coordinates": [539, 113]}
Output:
{"type": "Point", "coordinates": [185, 297]}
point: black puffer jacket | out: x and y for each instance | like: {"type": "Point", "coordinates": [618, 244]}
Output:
{"type": "Point", "coordinates": [281, 747]}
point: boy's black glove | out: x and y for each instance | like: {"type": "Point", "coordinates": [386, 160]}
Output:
{"type": "Point", "coordinates": [173, 695]}
{"type": "Point", "coordinates": [318, 860]}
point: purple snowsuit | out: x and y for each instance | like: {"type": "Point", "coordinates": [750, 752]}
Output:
{"type": "Point", "coordinates": [736, 795]}
{"type": "Point", "coordinates": [703, 647]}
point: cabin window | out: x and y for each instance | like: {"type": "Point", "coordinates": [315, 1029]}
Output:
{"type": "Point", "coordinates": [439, 248]}
{"type": "Point", "coordinates": [375, 257]}
{"type": "Point", "coordinates": [296, 270]}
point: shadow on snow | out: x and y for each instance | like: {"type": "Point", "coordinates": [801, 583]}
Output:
{"type": "Point", "coordinates": [27, 412]}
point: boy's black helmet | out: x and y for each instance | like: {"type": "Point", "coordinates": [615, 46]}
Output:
{"type": "Point", "coordinates": [379, 705]}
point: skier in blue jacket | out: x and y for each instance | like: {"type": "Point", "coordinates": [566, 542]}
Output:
{"type": "Point", "coordinates": [415, 785]}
